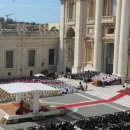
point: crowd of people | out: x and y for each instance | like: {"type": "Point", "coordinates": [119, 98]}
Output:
{"type": "Point", "coordinates": [97, 78]}
{"type": "Point", "coordinates": [63, 87]}
{"type": "Point", "coordinates": [86, 76]}
{"type": "Point", "coordinates": [106, 79]}
{"type": "Point", "coordinates": [116, 121]}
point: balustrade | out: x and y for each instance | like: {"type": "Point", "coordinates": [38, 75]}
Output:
{"type": "Point", "coordinates": [108, 19]}
{"type": "Point", "coordinates": [91, 20]}
{"type": "Point", "coordinates": [23, 30]}
{"type": "Point", "coordinates": [70, 21]}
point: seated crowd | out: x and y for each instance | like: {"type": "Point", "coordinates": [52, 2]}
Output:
{"type": "Point", "coordinates": [106, 79]}
{"type": "Point", "coordinates": [116, 121]}
{"type": "Point", "coordinates": [97, 78]}
{"type": "Point", "coordinates": [87, 75]}
{"type": "Point", "coordinates": [63, 87]}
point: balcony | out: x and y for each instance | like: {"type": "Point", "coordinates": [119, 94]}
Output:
{"type": "Point", "coordinates": [70, 21]}
{"type": "Point", "coordinates": [108, 19]}
{"type": "Point", "coordinates": [91, 20]}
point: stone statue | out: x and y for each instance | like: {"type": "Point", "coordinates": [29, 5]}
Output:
{"type": "Point", "coordinates": [70, 54]}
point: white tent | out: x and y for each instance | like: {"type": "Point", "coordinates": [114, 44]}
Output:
{"type": "Point", "coordinates": [22, 87]}
{"type": "Point", "coordinates": [39, 75]}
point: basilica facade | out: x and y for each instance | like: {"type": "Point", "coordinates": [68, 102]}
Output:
{"type": "Point", "coordinates": [94, 34]}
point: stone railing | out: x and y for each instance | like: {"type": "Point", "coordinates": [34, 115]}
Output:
{"type": "Point", "coordinates": [16, 33]}
{"type": "Point", "coordinates": [9, 33]}
{"type": "Point", "coordinates": [70, 21]}
{"type": "Point", "coordinates": [108, 19]}
{"type": "Point", "coordinates": [91, 20]}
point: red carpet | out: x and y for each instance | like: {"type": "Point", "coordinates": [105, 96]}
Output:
{"type": "Point", "coordinates": [122, 94]}
{"type": "Point", "coordinates": [126, 91]}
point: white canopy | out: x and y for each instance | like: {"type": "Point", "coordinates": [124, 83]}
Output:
{"type": "Point", "coordinates": [39, 75]}
{"type": "Point", "coordinates": [22, 87]}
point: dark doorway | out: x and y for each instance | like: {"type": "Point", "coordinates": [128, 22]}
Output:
{"type": "Point", "coordinates": [109, 58]}
{"type": "Point", "coordinates": [31, 73]}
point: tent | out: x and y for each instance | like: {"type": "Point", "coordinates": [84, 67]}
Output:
{"type": "Point", "coordinates": [39, 75]}
{"type": "Point", "coordinates": [19, 88]}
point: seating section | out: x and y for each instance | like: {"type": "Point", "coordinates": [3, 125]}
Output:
{"type": "Point", "coordinates": [105, 79]}
{"type": "Point", "coordinates": [116, 121]}
{"type": "Point", "coordinates": [98, 79]}
{"type": "Point", "coordinates": [87, 75]}
{"type": "Point", "coordinates": [6, 97]}
{"type": "Point", "coordinates": [63, 87]}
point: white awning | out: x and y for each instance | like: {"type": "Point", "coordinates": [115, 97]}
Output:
{"type": "Point", "coordinates": [39, 75]}
{"type": "Point", "coordinates": [22, 87]}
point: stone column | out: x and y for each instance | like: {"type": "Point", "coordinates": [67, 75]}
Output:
{"type": "Point", "coordinates": [117, 37]}
{"type": "Point", "coordinates": [19, 29]}
{"type": "Point", "coordinates": [124, 34]}
{"type": "Point", "coordinates": [80, 33]}
{"type": "Point", "coordinates": [98, 36]}
{"type": "Point", "coordinates": [60, 66]}
{"type": "Point", "coordinates": [24, 29]}
{"type": "Point", "coordinates": [0, 29]}
{"type": "Point", "coordinates": [40, 30]}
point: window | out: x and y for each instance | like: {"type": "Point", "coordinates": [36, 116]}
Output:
{"type": "Point", "coordinates": [110, 7]}
{"type": "Point", "coordinates": [71, 8]}
{"type": "Point", "coordinates": [31, 58]}
{"type": "Point", "coordinates": [9, 59]}
{"type": "Point", "coordinates": [51, 56]}
{"type": "Point", "coordinates": [110, 31]}
{"type": "Point", "coordinates": [114, 6]}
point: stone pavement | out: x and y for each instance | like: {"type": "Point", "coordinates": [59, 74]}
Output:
{"type": "Point", "coordinates": [103, 92]}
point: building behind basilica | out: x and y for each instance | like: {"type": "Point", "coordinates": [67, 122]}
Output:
{"type": "Point", "coordinates": [27, 49]}
{"type": "Point", "coordinates": [94, 34]}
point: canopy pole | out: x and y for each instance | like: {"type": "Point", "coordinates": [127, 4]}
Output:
{"type": "Point", "coordinates": [18, 97]}
{"type": "Point", "coordinates": [36, 102]}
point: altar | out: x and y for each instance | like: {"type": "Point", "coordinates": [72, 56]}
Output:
{"type": "Point", "coordinates": [29, 106]}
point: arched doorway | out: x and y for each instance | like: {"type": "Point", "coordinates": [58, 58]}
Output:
{"type": "Point", "coordinates": [69, 47]}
